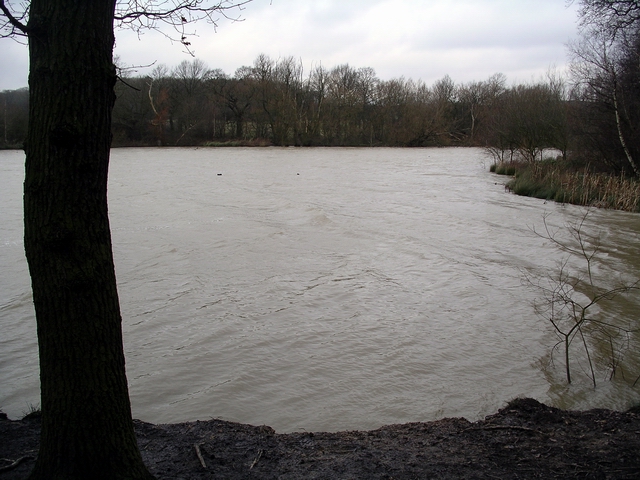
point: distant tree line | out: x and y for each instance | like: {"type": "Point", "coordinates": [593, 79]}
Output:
{"type": "Point", "coordinates": [592, 118]}
{"type": "Point", "coordinates": [277, 102]}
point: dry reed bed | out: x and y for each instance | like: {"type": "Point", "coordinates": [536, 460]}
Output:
{"type": "Point", "coordinates": [550, 181]}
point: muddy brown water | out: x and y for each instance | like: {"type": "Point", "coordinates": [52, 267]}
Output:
{"type": "Point", "coordinates": [324, 289]}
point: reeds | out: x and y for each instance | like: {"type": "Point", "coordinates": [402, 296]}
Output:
{"type": "Point", "coordinates": [549, 180]}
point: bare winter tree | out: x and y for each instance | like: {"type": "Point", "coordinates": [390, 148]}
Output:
{"type": "Point", "coordinates": [87, 430]}
{"type": "Point", "coordinates": [611, 16]}
{"type": "Point", "coordinates": [605, 69]}
{"type": "Point", "coordinates": [570, 301]}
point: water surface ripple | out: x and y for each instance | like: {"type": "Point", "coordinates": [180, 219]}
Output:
{"type": "Point", "coordinates": [317, 289]}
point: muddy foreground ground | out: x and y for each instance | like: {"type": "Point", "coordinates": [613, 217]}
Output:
{"type": "Point", "coordinates": [524, 440]}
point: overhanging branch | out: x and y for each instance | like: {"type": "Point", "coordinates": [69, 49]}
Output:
{"type": "Point", "coordinates": [175, 12]}
{"type": "Point", "coordinates": [17, 27]}
{"type": "Point", "coordinates": [140, 15]}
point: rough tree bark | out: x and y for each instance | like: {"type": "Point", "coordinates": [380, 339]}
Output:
{"type": "Point", "coordinates": [87, 430]}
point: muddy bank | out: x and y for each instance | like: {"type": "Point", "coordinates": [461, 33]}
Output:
{"type": "Point", "coordinates": [524, 440]}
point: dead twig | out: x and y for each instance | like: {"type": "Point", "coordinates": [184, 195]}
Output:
{"type": "Point", "coordinates": [255, 460]}
{"type": "Point", "coordinates": [15, 463]}
{"type": "Point", "coordinates": [197, 447]}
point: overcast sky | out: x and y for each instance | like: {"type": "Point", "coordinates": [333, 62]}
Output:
{"type": "Point", "coordinates": [419, 39]}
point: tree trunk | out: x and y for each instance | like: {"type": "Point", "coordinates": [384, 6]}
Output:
{"type": "Point", "coordinates": [627, 152]}
{"type": "Point", "coordinates": [87, 430]}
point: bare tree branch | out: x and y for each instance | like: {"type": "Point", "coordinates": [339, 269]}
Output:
{"type": "Point", "coordinates": [140, 15]}
{"type": "Point", "coordinates": [614, 16]}
{"type": "Point", "coordinates": [568, 300]}
{"type": "Point", "coordinates": [176, 11]}
{"type": "Point", "coordinates": [14, 22]}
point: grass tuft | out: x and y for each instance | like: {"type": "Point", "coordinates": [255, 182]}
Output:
{"type": "Point", "coordinates": [33, 412]}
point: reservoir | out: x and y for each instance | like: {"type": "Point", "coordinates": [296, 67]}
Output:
{"type": "Point", "coordinates": [327, 288]}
